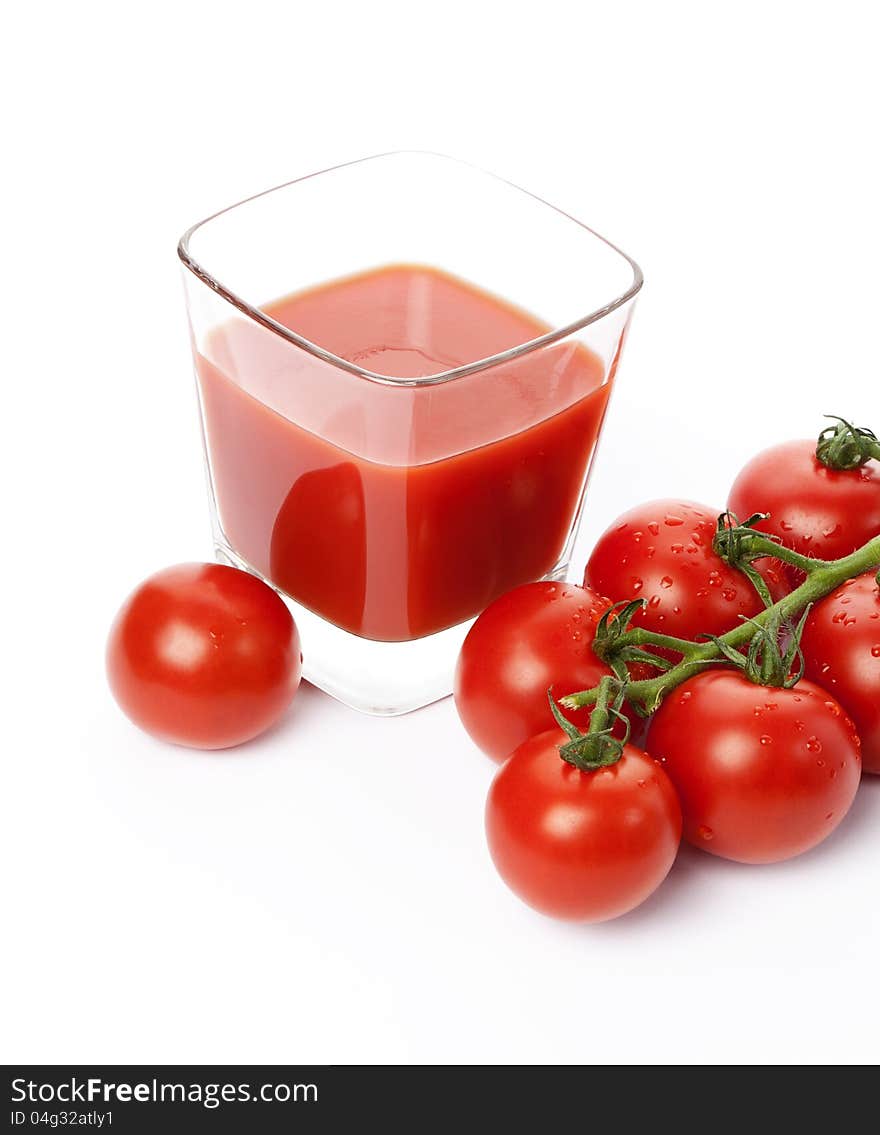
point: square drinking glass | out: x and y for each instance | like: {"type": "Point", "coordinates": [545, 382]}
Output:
{"type": "Point", "coordinates": [389, 506]}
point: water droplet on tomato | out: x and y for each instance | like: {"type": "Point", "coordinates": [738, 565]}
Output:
{"type": "Point", "coordinates": [676, 549]}
{"type": "Point", "coordinates": [785, 526]}
{"type": "Point", "coordinates": [832, 531]}
{"type": "Point", "coordinates": [830, 814]}
{"type": "Point", "coordinates": [833, 708]}
{"type": "Point", "coordinates": [765, 740]}
{"type": "Point", "coordinates": [654, 601]}
{"type": "Point", "coordinates": [728, 593]}
{"type": "Point", "coordinates": [649, 552]}
{"type": "Point", "coordinates": [637, 584]}
{"type": "Point", "coordinates": [672, 520]}
{"type": "Point", "coordinates": [799, 726]}
{"type": "Point", "coordinates": [875, 650]}
{"type": "Point", "coordinates": [637, 536]}
{"type": "Point", "coordinates": [653, 527]}
{"type": "Point", "coordinates": [705, 832]}
{"type": "Point", "coordinates": [666, 581]}
{"type": "Point", "coordinates": [642, 783]}
{"type": "Point", "coordinates": [702, 593]}
{"type": "Point", "coordinates": [714, 579]}
{"type": "Point", "coordinates": [814, 744]}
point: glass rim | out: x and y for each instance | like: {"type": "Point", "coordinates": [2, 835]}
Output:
{"type": "Point", "coordinates": [554, 336]}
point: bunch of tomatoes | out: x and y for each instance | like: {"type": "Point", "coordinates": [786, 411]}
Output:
{"type": "Point", "coordinates": [751, 772]}
{"type": "Point", "coordinates": [740, 753]}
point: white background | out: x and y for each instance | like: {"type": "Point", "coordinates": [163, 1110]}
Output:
{"type": "Point", "coordinates": [325, 894]}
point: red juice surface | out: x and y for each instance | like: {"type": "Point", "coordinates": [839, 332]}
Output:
{"type": "Point", "coordinates": [396, 511]}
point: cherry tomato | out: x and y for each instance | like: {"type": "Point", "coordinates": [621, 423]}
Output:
{"type": "Point", "coordinates": [841, 645]}
{"type": "Point", "coordinates": [587, 846]}
{"type": "Point", "coordinates": [204, 655]}
{"type": "Point", "coordinates": [531, 638]}
{"type": "Point", "coordinates": [762, 773]}
{"type": "Point", "coordinates": [819, 512]}
{"type": "Point", "coordinates": [662, 552]}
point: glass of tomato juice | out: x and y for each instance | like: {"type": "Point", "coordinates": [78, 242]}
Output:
{"type": "Point", "coordinates": [402, 364]}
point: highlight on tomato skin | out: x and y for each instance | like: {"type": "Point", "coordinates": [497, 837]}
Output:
{"type": "Point", "coordinates": [533, 637]}
{"type": "Point", "coordinates": [763, 773]}
{"type": "Point", "coordinates": [841, 645]}
{"type": "Point", "coordinates": [581, 846]}
{"type": "Point", "coordinates": [204, 655]}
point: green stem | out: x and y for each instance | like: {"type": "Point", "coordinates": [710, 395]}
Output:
{"type": "Point", "coordinates": [638, 636]}
{"type": "Point", "coordinates": [752, 545]}
{"type": "Point", "coordinates": [763, 546]}
{"type": "Point", "coordinates": [599, 718]}
{"type": "Point", "coordinates": [822, 577]}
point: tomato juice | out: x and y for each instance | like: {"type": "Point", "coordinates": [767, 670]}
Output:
{"type": "Point", "coordinates": [390, 506]}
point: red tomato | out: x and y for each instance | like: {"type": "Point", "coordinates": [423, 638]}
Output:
{"type": "Point", "coordinates": [819, 512]}
{"type": "Point", "coordinates": [204, 655]}
{"type": "Point", "coordinates": [762, 773]}
{"type": "Point", "coordinates": [534, 637]}
{"type": "Point", "coordinates": [841, 645]}
{"type": "Point", "coordinates": [587, 846]}
{"type": "Point", "coordinates": [662, 552]}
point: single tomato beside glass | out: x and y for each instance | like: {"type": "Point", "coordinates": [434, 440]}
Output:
{"type": "Point", "coordinates": [531, 638]}
{"type": "Point", "coordinates": [581, 845]}
{"type": "Point", "coordinates": [661, 552]}
{"type": "Point", "coordinates": [204, 655]}
{"type": "Point", "coordinates": [763, 773]}
{"type": "Point", "coordinates": [841, 645]}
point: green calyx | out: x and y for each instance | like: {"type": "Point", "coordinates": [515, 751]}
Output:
{"type": "Point", "coordinates": [598, 748]}
{"type": "Point", "coordinates": [616, 644]}
{"type": "Point", "coordinates": [739, 544]}
{"type": "Point", "coordinates": [845, 446]}
{"type": "Point", "coordinates": [774, 656]}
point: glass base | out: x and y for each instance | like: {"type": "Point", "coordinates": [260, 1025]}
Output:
{"type": "Point", "coordinates": [380, 678]}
